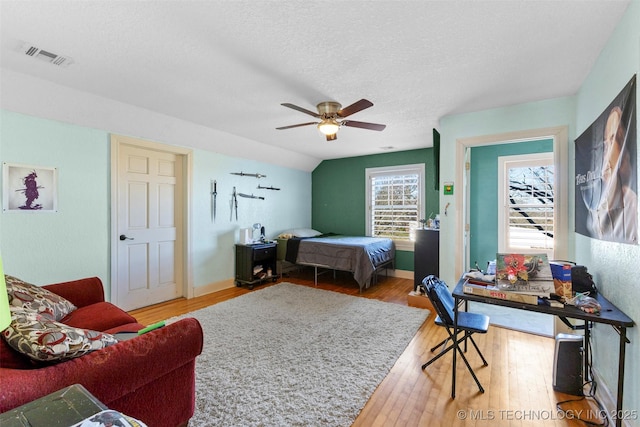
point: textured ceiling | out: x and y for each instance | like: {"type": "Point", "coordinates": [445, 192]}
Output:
{"type": "Point", "coordinates": [228, 65]}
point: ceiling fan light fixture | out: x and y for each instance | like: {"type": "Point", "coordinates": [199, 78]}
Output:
{"type": "Point", "coordinates": [328, 126]}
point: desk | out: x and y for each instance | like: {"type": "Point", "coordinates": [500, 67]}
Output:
{"type": "Point", "coordinates": [610, 315]}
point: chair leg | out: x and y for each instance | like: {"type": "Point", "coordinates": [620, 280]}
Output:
{"type": "Point", "coordinates": [440, 344]}
{"type": "Point", "coordinates": [446, 349]}
{"type": "Point", "coordinates": [478, 350]}
{"type": "Point", "coordinates": [473, 374]}
{"type": "Point", "coordinates": [438, 356]}
{"type": "Point", "coordinates": [464, 338]}
{"type": "Point", "coordinates": [443, 351]}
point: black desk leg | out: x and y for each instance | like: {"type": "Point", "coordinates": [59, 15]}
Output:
{"type": "Point", "coordinates": [621, 357]}
{"type": "Point", "coordinates": [466, 308]}
{"type": "Point", "coordinates": [455, 347]}
{"type": "Point", "coordinates": [587, 337]}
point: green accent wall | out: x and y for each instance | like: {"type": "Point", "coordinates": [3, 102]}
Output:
{"type": "Point", "coordinates": [339, 199]}
{"type": "Point", "coordinates": [483, 199]}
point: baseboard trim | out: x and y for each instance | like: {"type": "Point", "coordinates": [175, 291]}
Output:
{"type": "Point", "coordinates": [213, 287]}
{"type": "Point", "coordinates": [403, 274]}
{"type": "Point", "coordinates": [607, 399]}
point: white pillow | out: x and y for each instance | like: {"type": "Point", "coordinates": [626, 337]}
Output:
{"type": "Point", "coordinates": [306, 232]}
{"type": "Point", "coordinates": [298, 232]}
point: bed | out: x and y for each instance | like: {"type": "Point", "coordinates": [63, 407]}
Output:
{"type": "Point", "coordinates": [359, 255]}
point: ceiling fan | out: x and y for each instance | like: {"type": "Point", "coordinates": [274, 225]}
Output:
{"type": "Point", "coordinates": [329, 112]}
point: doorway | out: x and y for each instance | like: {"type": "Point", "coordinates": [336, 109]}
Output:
{"type": "Point", "coordinates": [149, 226]}
{"type": "Point", "coordinates": [510, 318]}
{"type": "Point", "coordinates": [559, 136]}
{"type": "Point", "coordinates": [489, 196]}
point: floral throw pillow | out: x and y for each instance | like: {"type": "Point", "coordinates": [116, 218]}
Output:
{"type": "Point", "coordinates": [41, 338]}
{"type": "Point", "coordinates": [37, 299]}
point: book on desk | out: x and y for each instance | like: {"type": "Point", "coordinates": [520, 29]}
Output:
{"type": "Point", "coordinates": [525, 278]}
{"type": "Point", "coordinates": [495, 292]}
{"type": "Point", "coordinates": [524, 273]}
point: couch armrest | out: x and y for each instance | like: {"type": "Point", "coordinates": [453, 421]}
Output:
{"type": "Point", "coordinates": [116, 372]}
{"type": "Point", "coordinates": [80, 292]}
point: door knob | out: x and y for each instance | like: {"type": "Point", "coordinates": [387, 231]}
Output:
{"type": "Point", "coordinates": [123, 237]}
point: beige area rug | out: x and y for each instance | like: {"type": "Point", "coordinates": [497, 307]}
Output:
{"type": "Point", "coordinates": [290, 355]}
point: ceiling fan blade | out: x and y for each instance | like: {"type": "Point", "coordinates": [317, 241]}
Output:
{"type": "Point", "coordinates": [297, 126]}
{"type": "Point", "coordinates": [363, 125]}
{"type": "Point", "coordinates": [332, 137]}
{"type": "Point", "coordinates": [355, 107]}
{"type": "Point", "coordinates": [302, 110]}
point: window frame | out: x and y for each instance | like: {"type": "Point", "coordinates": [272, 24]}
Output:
{"type": "Point", "coordinates": [523, 160]}
{"type": "Point", "coordinates": [416, 168]}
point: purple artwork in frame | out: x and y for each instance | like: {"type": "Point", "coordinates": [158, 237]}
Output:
{"type": "Point", "coordinates": [29, 188]}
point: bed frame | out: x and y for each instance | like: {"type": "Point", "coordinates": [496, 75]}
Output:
{"type": "Point", "coordinates": [364, 257]}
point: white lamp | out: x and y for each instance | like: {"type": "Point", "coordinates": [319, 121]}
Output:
{"type": "Point", "coordinates": [5, 314]}
{"type": "Point", "coordinates": [328, 126]}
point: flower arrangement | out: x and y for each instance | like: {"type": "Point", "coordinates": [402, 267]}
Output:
{"type": "Point", "coordinates": [528, 273]}
{"type": "Point", "coordinates": [514, 268]}
{"type": "Point", "coordinates": [517, 268]}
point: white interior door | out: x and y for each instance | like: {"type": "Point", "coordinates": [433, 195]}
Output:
{"type": "Point", "coordinates": [149, 199]}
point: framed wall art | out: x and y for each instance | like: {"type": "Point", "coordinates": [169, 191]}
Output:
{"type": "Point", "coordinates": [28, 188]}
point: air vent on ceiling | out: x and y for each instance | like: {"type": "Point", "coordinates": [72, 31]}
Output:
{"type": "Point", "coordinates": [43, 55]}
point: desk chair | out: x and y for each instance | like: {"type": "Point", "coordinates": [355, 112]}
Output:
{"type": "Point", "coordinates": [468, 323]}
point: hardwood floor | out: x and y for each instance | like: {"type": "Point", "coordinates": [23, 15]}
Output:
{"type": "Point", "coordinates": [517, 382]}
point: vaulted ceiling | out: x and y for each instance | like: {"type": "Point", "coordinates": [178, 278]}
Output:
{"type": "Point", "coordinates": [228, 65]}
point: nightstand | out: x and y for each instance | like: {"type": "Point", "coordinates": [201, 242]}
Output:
{"type": "Point", "coordinates": [256, 263]}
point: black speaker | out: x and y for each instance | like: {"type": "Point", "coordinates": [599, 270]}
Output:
{"type": "Point", "coordinates": [568, 364]}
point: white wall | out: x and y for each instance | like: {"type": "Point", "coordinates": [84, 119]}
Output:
{"type": "Point", "coordinates": [75, 242]}
{"type": "Point", "coordinates": [25, 94]}
{"type": "Point", "coordinates": [213, 253]}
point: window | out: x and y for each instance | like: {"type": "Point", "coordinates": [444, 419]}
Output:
{"type": "Point", "coordinates": [395, 202]}
{"type": "Point", "coordinates": [527, 207]}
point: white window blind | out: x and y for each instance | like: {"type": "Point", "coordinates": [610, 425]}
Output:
{"type": "Point", "coordinates": [394, 199]}
{"type": "Point", "coordinates": [529, 206]}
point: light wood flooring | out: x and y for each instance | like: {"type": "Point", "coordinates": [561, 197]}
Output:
{"type": "Point", "coordinates": [517, 382]}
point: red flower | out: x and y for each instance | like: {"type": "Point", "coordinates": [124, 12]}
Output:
{"type": "Point", "coordinates": [514, 267]}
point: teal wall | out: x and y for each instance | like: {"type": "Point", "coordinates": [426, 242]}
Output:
{"type": "Point", "coordinates": [614, 265]}
{"type": "Point", "coordinates": [75, 242]}
{"type": "Point", "coordinates": [483, 203]}
{"type": "Point", "coordinates": [339, 199]}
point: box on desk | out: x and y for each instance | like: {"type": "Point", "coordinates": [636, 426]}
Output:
{"type": "Point", "coordinates": [561, 270]}
{"type": "Point", "coordinates": [563, 288]}
{"type": "Point", "coordinates": [492, 292]}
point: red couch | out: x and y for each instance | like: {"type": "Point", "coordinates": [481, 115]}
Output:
{"type": "Point", "coordinates": [150, 377]}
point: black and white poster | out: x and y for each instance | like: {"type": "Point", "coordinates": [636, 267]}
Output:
{"type": "Point", "coordinates": [607, 174]}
